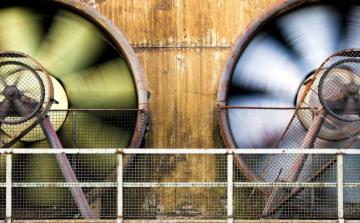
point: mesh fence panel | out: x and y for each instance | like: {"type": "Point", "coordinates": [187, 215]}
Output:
{"type": "Point", "coordinates": [351, 190]}
{"type": "Point", "coordinates": [55, 200]}
{"type": "Point", "coordinates": [251, 199]}
{"type": "Point", "coordinates": [202, 202]}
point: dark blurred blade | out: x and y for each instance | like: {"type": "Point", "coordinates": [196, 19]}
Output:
{"type": "Point", "coordinates": [262, 127]}
{"type": "Point", "coordinates": [267, 66]}
{"type": "Point", "coordinates": [352, 39]}
{"type": "Point", "coordinates": [351, 106]}
{"type": "Point", "coordinates": [4, 108]}
{"type": "Point", "coordinates": [313, 32]}
{"type": "Point", "coordinates": [108, 85]}
{"type": "Point", "coordinates": [43, 168]}
{"type": "Point", "coordinates": [87, 130]}
{"type": "Point", "coordinates": [20, 30]}
{"type": "Point", "coordinates": [71, 44]}
{"type": "Point", "coordinates": [24, 108]}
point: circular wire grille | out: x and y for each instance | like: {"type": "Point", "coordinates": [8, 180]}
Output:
{"type": "Point", "coordinates": [24, 88]}
{"type": "Point", "coordinates": [22, 94]}
{"type": "Point", "coordinates": [339, 87]}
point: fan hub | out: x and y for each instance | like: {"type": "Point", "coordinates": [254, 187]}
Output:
{"type": "Point", "coordinates": [11, 92]}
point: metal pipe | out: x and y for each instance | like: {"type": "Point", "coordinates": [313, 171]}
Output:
{"type": "Point", "coordinates": [322, 151]}
{"type": "Point", "coordinates": [67, 171]}
{"type": "Point", "coordinates": [297, 164]}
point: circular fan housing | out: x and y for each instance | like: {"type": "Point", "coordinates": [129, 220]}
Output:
{"type": "Point", "coordinates": [91, 65]}
{"type": "Point", "coordinates": [98, 83]}
{"type": "Point", "coordinates": [264, 75]}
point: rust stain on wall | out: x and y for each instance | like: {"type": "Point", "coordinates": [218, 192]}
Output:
{"type": "Point", "coordinates": [182, 46]}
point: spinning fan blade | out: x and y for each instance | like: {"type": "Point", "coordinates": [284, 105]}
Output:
{"type": "Point", "coordinates": [352, 38]}
{"type": "Point", "coordinates": [20, 30]}
{"type": "Point", "coordinates": [4, 108]}
{"type": "Point", "coordinates": [108, 85]}
{"type": "Point", "coordinates": [248, 125]}
{"type": "Point", "coordinates": [72, 44]}
{"type": "Point", "coordinates": [267, 66]}
{"type": "Point", "coordinates": [107, 135]}
{"type": "Point", "coordinates": [313, 32]}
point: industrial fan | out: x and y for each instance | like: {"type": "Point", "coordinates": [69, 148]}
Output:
{"type": "Point", "coordinates": [99, 97]}
{"type": "Point", "coordinates": [264, 84]}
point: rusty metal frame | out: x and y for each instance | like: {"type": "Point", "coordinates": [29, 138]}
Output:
{"type": "Point", "coordinates": [279, 8]}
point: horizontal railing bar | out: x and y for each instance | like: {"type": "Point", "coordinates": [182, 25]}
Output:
{"type": "Point", "coordinates": [256, 151]}
{"type": "Point", "coordinates": [174, 220]}
{"type": "Point", "coordinates": [94, 109]}
{"type": "Point", "coordinates": [115, 151]}
{"type": "Point", "coordinates": [176, 184]}
{"type": "Point", "coordinates": [183, 151]}
{"type": "Point", "coordinates": [181, 184]}
{"type": "Point", "coordinates": [61, 184]}
{"type": "Point", "coordinates": [286, 184]}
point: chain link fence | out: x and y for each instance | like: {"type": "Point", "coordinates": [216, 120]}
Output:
{"type": "Point", "coordinates": [150, 187]}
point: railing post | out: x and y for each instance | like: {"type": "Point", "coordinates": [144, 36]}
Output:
{"type": "Point", "coordinates": [340, 187]}
{"type": "Point", "coordinates": [120, 188]}
{"type": "Point", "coordinates": [8, 204]}
{"type": "Point", "coordinates": [230, 184]}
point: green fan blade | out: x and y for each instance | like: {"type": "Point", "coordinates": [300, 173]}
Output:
{"type": "Point", "coordinates": [71, 44]}
{"type": "Point", "coordinates": [109, 85]}
{"type": "Point", "coordinates": [20, 30]}
{"type": "Point", "coordinates": [92, 132]}
{"type": "Point", "coordinates": [44, 168]}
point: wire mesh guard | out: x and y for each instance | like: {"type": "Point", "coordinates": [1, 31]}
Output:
{"type": "Point", "coordinates": [25, 94]}
{"type": "Point", "coordinates": [266, 126]}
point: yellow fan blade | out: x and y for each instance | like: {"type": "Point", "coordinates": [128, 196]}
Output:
{"type": "Point", "coordinates": [92, 132]}
{"type": "Point", "coordinates": [44, 168]}
{"type": "Point", "coordinates": [109, 85]}
{"type": "Point", "coordinates": [20, 30]}
{"type": "Point", "coordinates": [71, 44]}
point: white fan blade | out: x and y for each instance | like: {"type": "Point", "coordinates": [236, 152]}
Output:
{"type": "Point", "coordinates": [353, 28]}
{"type": "Point", "coordinates": [253, 128]}
{"type": "Point", "coordinates": [267, 66]}
{"type": "Point", "coordinates": [313, 32]}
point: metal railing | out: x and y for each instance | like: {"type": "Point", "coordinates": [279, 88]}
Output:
{"type": "Point", "coordinates": [228, 183]}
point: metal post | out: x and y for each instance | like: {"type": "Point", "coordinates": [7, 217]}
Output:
{"type": "Point", "coordinates": [120, 188]}
{"type": "Point", "coordinates": [8, 187]}
{"type": "Point", "coordinates": [340, 187]}
{"type": "Point", "coordinates": [230, 183]}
